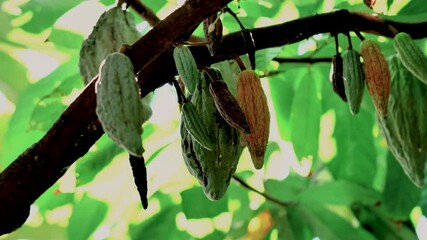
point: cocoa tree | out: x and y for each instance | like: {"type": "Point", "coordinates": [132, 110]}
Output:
{"type": "Point", "coordinates": [32, 176]}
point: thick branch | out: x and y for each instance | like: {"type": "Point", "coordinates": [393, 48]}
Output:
{"type": "Point", "coordinates": [77, 129]}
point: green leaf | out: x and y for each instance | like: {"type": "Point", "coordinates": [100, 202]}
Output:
{"type": "Point", "coordinates": [239, 202]}
{"type": "Point", "coordinates": [326, 224]}
{"type": "Point", "coordinates": [400, 195]}
{"type": "Point", "coordinates": [290, 225]}
{"type": "Point", "coordinates": [65, 38]}
{"type": "Point", "coordinates": [339, 192]}
{"type": "Point", "coordinates": [204, 208]}
{"type": "Point", "coordinates": [52, 105]}
{"type": "Point", "coordinates": [52, 199]}
{"type": "Point", "coordinates": [12, 83]}
{"type": "Point", "coordinates": [93, 162]}
{"type": "Point", "coordinates": [263, 57]}
{"type": "Point", "coordinates": [378, 223]}
{"type": "Point", "coordinates": [287, 190]}
{"type": "Point", "coordinates": [19, 137]}
{"type": "Point", "coordinates": [162, 224]}
{"type": "Point", "coordinates": [282, 93]}
{"type": "Point", "coordinates": [356, 158]}
{"type": "Point", "coordinates": [305, 118]}
{"type": "Point", "coordinates": [87, 214]}
{"type": "Point", "coordinates": [44, 13]}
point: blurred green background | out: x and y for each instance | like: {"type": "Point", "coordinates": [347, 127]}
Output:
{"type": "Point", "coordinates": [334, 165]}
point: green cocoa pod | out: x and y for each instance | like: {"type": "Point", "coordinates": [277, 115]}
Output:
{"type": "Point", "coordinates": [213, 169]}
{"type": "Point", "coordinates": [354, 79]}
{"type": "Point", "coordinates": [411, 55]}
{"type": "Point", "coordinates": [118, 104]}
{"type": "Point", "coordinates": [114, 28]}
{"type": "Point", "coordinates": [191, 119]}
{"type": "Point", "coordinates": [186, 67]}
{"type": "Point", "coordinates": [405, 126]}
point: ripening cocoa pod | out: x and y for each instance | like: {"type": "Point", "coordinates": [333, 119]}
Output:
{"type": "Point", "coordinates": [114, 28]}
{"type": "Point", "coordinates": [186, 67]}
{"type": "Point", "coordinates": [411, 55]}
{"type": "Point", "coordinates": [213, 169]}
{"type": "Point", "coordinates": [253, 101]}
{"type": "Point", "coordinates": [227, 106]}
{"type": "Point", "coordinates": [377, 75]}
{"type": "Point", "coordinates": [212, 28]}
{"type": "Point", "coordinates": [405, 126]}
{"type": "Point", "coordinates": [336, 77]}
{"type": "Point", "coordinates": [354, 79]}
{"type": "Point", "coordinates": [194, 125]}
{"type": "Point", "coordinates": [119, 106]}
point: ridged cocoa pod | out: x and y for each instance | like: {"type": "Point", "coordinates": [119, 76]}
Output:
{"type": "Point", "coordinates": [354, 79]}
{"type": "Point", "coordinates": [377, 75]}
{"type": "Point", "coordinates": [119, 106]}
{"type": "Point", "coordinates": [212, 28]}
{"type": "Point", "coordinates": [228, 107]}
{"type": "Point", "coordinates": [411, 55]}
{"type": "Point", "coordinates": [213, 169]}
{"type": "Point", "coordinates": [186, 67]}
{"type": "Point", "coordinates": [336, 77]}
{"type": "Point", "coordinates": [194, 125]}
{"type": "Point", "coordinates": [253, 101]}
{"type": "Point", "coordinates": [405, 126]}
{"type": "Point", "coordinates": [114, 28]}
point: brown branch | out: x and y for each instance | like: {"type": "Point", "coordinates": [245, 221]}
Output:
{"type": "Point", "coordinates": [77, 129]}
{"type": "Point", "coordinates": [265, 195]}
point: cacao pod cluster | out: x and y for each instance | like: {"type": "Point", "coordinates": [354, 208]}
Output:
{"type": "Point", "coordinates": [114, 28]}
{"type": "Point", "coordinates": [349, 75]}
{"type": "Point", "coordinates": [216, 126]}
{"type": "Point", "coordinates": [210, 146]}
{"type": "Point", "coordinates": [398, 89]}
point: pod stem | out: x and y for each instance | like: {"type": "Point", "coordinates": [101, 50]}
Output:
{"type": "Point", "coordinates": [350, 45]}
{"type": "Point", "coordinates": [361, 37]}
{"type": "Point", "coordinates": [337, 45]}
{"type": "Point", "coordinates": [247, 38]}
{"type": "Point", "coordinates": [179, 94]}
{"type": "Point", "coordinates": [239, 62]}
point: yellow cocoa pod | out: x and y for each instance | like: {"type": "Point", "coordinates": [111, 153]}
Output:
{"type": "Point", "coordinates": [377, 75]}
{"type": "Point", "coordinates": [253, 102]}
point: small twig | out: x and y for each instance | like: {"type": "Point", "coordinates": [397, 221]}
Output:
{"type": "Point", "coordinates": [265, 195]}
{"type": "Point", "coordinates": [144, 12]}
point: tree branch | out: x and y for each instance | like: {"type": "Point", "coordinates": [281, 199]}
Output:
{"type": "Point", "coordinates": [77, 129]}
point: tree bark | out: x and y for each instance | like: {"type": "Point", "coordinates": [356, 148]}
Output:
{"type": "Point", "coordinates": [77, 129]}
